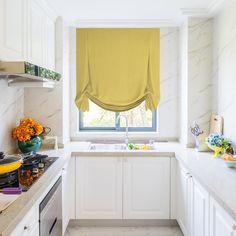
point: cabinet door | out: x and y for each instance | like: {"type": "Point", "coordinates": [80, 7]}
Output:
{"type": "Point", "coordinates": [146, 188]}
{"type": "Point", "coordinates": [12, 30]}
{"type": "Point", "coordinates": [36, 24]}
{"type": "Point", "coordinates": [98, 188]}
{"type": "Point", "coordinates": [221, 224]}
{"type": "Point", "coordinates": [68, 193]}
{"type": "Point", "coordinates": [199, 210]}
{"type": "Point", "coordinates": [49, 44]}
{"type": "Point", "coordinates": [183, 199]}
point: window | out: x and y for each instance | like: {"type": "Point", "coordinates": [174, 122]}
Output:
{"type": "Point", "coordinates": [98, 119]}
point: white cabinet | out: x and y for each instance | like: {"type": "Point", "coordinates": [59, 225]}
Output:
{"type": "Point", "coordinates": [199, 210]}
{"type": "Point", "coordinates": [12, 30]}
{"type": "Point", "coordinates": [41, 32]}
{"type": "Point", "coordinates": [98, 188]}
{"type": "Point", "coordinates": [29, 226]}
{"type": "Point", "coordinates": [221, 224]}
{"type": "Point", "coordinates": [68, 193]}
{"type": "Point", "coordinates": [27, 29]}
{"type": "Point", "coordinates": [183, 199]}
{"type": "Point", "coordinates": [146, 188]}
{"type": "Point", "coordinates": [35, 30]}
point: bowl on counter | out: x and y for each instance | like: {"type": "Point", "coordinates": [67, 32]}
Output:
{"type": "Point", "coordinates": [230, 164]}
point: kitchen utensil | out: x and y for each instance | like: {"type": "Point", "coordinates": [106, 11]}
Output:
{"type": "Point", "coordinates": [216, 124]}
{"type": "Point", "coordinates": [195, 130]}
{"type": "Point", "coordinates": [11, 190]}
{"type": "Point", "coordinates": [9, 163]}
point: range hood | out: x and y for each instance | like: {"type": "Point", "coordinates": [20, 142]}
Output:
{"type": "Point", "coordinates": [25, 74]}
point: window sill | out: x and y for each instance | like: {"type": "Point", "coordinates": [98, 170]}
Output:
{"type": "Point", "coordinates": [118, 137]}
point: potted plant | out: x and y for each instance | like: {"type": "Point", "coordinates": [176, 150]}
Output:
{"type": "Point", "coordinates": [219, 144]}
{"type": "Point", "coordinates": [28, 134]}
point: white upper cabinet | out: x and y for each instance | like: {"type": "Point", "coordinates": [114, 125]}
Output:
{"type": "Point", "coordinates": [221, 224]}
{"type": "Point", "coordinates": [27, 29]}
{"type": "Point", "coordinates": [36, 29]}
{"type": "Point", "coordinates": [146, 188]}
{"type": "Point", "coordinates": [199, 210]}
{"type": "Point", "coordinates": [41, 33]}
{"type": "Point", "coordinates": [13, 34]}
{"type": "Point", "coordinates": [98, 188]}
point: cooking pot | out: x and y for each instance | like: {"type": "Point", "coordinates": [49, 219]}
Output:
{"type": "Point", "coordinates": [9, 163]}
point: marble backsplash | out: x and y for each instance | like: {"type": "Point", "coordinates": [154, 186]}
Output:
{"type": "Point", "coordinates": [224, 79]}
{"type": "Point", "coordinates": [11, 111]}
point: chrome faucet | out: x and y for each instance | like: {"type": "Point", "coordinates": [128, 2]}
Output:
{"type": "Point", "coordinates": [126, 127]}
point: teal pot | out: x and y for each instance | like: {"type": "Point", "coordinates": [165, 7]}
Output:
{"type": "Point", "coordinates": [32, 145]}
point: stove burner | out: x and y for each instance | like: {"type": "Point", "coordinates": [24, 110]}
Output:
{"type": "Point", "coordinates": [34, 166]}
{"type": "Point", "coordinates": [9, 179]}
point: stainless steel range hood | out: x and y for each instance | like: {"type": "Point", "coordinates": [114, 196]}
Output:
{"type": "Point", "coordinates": [25, 74]}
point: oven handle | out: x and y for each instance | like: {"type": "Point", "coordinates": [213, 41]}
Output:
{"type": "Point", "coordinates": [53, 225]}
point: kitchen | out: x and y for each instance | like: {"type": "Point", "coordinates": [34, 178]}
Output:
{"type": "Point", "coordinates": [80, 154]}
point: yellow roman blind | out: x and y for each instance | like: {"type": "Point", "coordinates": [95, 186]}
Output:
{"type": "Point", "coordinates": [117, 69]}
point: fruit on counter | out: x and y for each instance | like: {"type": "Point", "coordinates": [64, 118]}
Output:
{"type": "Point", "coordinates": [228, 157]}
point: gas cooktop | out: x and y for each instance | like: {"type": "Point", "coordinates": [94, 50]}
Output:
{"type": "Point", "coordinates": [33, 167]}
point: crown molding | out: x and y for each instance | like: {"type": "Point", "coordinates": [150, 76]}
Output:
{"type": "Point", "coordinates": [194, 11]}
{"type": "Point", "coordinates": [125, 23]}
{"type": "Point", "coordinates": [215, 6]}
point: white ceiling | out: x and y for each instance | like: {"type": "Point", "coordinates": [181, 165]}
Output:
{"type": "Point", "coordinates": [76, 11]}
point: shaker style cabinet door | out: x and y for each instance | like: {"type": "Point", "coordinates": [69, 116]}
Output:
{"type": "Point", "coordinates": [183, 199]}
{"type": "Point", "coordinates": [98, 188]}
{"type": "Point", "coordinates": [221, 224]}
{"type": "Point", "coordinates": [146, 188]}
{"type": "Point", "coordinates": [12, 30]}
{"type": "Point", "coordinates": [36, 33]}
{"type": "Point", "coordinates": [68, 193]}
{"type": "Point", "coordinates": [199, 210]}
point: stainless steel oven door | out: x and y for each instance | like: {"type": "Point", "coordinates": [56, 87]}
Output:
{"type": "Point", "coordinates": [51, 212]}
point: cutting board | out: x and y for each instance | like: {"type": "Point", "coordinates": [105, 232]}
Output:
{"type": "Point", "coordinates": [6, 200]}
{"type": "Point", "coordinates": [216, 124]}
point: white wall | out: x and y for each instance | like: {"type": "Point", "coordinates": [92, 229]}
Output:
{"type": "Point", "coordinates": [225, 67]}
{"type": "Point", "coordinates": [11, 111]}
{"type": "Point", "coordinates": [196, 76]}
{"type": "Point", "coordinates": [168, 113]}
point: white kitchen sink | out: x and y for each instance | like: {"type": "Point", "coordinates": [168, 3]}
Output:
{"type": "Point", "coordinates": [105, 146]}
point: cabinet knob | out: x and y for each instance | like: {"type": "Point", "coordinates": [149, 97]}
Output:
{"type": "Point", "coordinates": [26, 228]}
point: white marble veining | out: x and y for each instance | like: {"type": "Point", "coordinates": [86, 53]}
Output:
{"type": "Point", "coordinates": [168, 112]}
{"type": "Point", "coordinates": [224, 67]}
{"type": "Point", "coordinates": [200, 72]}
{"type": "Point", "coordinates": [11, 111]}
{"type": "Point", "coordinates": [123, 231]}
{"type": "Point", "coordinates": [196, 75]}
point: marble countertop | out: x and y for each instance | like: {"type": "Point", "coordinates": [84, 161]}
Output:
{"type": "Point", "coordinates": [211, 173]}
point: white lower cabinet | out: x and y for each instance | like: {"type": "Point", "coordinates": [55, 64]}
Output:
{"type": "Point", "coordinates": [198, 214]}
{"type": "Point", "coordinates": [199, 210]}
{"type": "Point", "coordinates": [146, 188]}
{"type": "Point", "coordinates": [183, 199]}
{"type": "Point", "coordinates": [122, 188]}
{"type": "Point", "coordinates": [221, 224]}
{"type": "Point", "coordinates": [68, 193]}
{"type": "Point", "coordinates": [29, 226]}
{"type": "Point", "coordinates": [98, 188]}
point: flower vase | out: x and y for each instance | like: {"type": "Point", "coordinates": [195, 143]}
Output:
{"type": "Point", "coordinates": [32, 145]}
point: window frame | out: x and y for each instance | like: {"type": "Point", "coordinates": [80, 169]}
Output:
{"type": "Point", "coordinates": [117, 127]}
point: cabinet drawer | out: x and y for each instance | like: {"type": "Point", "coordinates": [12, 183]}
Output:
{"type": "Point", "coordinates": [29, 224]}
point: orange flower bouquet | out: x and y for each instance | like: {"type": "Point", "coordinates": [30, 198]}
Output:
{"type": "Point", "coordinates": [28, 134]}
